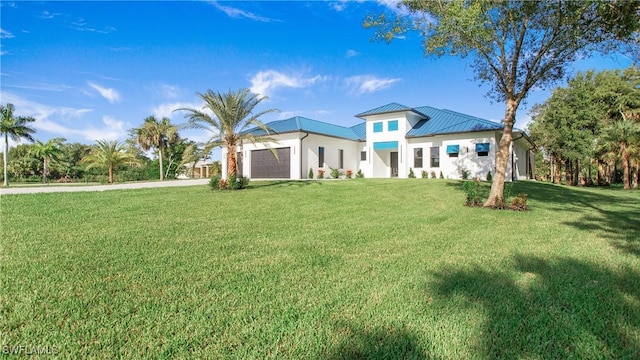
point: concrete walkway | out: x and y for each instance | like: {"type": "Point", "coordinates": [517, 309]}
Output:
{"type": "Point", "coordinates": [76, 188]}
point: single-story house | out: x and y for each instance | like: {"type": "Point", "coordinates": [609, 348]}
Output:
{"type": "Point", "coordinates": [200, 169]}
{"type": "Point", "coordinates": [391, 141]}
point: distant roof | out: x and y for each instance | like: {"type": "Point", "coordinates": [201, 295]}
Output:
{"type": "Point", "coordinates": [299, 123]}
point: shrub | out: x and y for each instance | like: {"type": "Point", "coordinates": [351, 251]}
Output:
{"type": "Point", "coordinates": [335, 173]}
{"type": "Point", "coordinates": [359, 174]}
{"type": "Point", "coordinates": [223, 184]}
{"type": "Point", "coordinates": [464, 173]}
{"type": "Point", "coordinates": [433, 174]}
{"type": "Point", "coordinates": [238, 183]}
{"type": "Point", "coordinates": [489, 177]}
{"type": "Point", "coordinates": [349, 174]}
{"type": "Point", "coordinates": [441, 175]}
{"type": "Point", "coordinates": [213, 183]}
{"type": "Point", "coordinates": [425, 174]}
{"type": "Point", "coordinates": [310, 173]}
{"type": "Point", "coordinates": [320, 173]}
{"type": "Point", "coordinates": [472, 192]}
{"type": "Point", "coordinates": [411, 174]}
{"type": "Point", "coordinates": [519, 203]}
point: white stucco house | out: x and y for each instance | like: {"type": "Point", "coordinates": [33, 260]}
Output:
{"type": "Point", "coordinates": [391, 140]}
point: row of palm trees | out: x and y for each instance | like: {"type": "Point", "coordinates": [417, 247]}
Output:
{"type": "Point", "coordinates": [225, 116]}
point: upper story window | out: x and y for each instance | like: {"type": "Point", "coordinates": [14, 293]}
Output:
{"type": "Point", "coordinates": [392, 125]}
{"type": "Point", "coordinates": [377, 127]}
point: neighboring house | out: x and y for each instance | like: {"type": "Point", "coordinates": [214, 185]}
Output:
{"type": "Point", "coordinates": [392, 140]}
{"type": "Point", "coordinates": [201, 169]}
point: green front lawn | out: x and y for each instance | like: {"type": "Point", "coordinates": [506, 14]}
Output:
{"type": "Point", "coordinates": [325, 269]}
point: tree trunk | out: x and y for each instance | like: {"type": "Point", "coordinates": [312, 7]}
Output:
{"type": "Point", "coordinates": [44, 171]}
{"type": "Point", "coordinates": [6, 159]}
{"type": "Point", "coordinates": [590, 179]}
{"type": "Point", "coordinates": [231, 161]}
{"type": "Point", "coordinates": [625, 165]}
{"type": "Point", "coordinates": [110, 174]}
{"type": "Point", "coordinates": [160, 161]}
{"type": "Point", "coordinates": [502, 156]}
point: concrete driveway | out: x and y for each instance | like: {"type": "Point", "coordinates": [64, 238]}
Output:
{"type": "Point", "coordinates": [76, 188]}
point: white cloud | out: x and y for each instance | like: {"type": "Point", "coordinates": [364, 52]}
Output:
{"type": "Point", "coordinates": [4, 34]}
{"type": "Point", "coordinates": [351, 53]}
{"type": "Point", "coordinates": [362, 84]}
{"type": "Point", "coordinates": [48, 15]}
{"type": "Point", "coordinates": [170, 91]}
{"type": "Point", "coordinates": [167, 109]}
{"type": "Point", "coordinates": [46, 120]}
{"type": "Point", "coordinates": [265, 82]}
{"type": "Point", "coordinates": [238, 13]}
{"type": "Point", "coordinates": [108, 93]}
{"type": "Point", "coordinates": [339, 5]}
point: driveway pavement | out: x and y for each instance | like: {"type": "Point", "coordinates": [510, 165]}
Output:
{"type": "Point", "coordinates": [76, 188]}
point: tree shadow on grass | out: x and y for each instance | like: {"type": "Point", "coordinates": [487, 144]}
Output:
{"type": "Point", "coordinates": [387, 342]}
{"type": "Point", "coordinates": [551, 308]}
{"type": "Point", "coordinates": [615, 218]}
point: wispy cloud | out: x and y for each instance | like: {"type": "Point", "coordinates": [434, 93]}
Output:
{"type": "Point", "coordinates": [170, 91]}
{"type": "Point", "coordinates": [265, 82]}
{"type": "Point", "coordinates": [81, 25]}
{"type": "Point", "coordinates": [108, 93]}
{"type": "Point", "coordinates": [40, 87]}
{"type": "Point", "coordinates": [351, 53]}
{"type": "Point", "coordinates": [362, 84]}
{"type": "Point", "coordinates": [167, 109]}
{"type": "Point", "coordinates": [238, 13]}
{"type": "Point", "coordinates": [113, 129]}
{"type": "Point", "coordinates": [48, 15]}
{"type": "Point", "coordinates": [4, 34]}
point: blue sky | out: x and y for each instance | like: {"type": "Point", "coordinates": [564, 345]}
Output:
{"type": "Point", "coordinates": [93, 70]}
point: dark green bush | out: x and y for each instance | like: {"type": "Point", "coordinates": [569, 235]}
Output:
{"type": "Point", "coordinates": [472, 192]}
{"type": "Point", "coordinates": [310, 176]}
{"type": "Point", "coordinates": [359, 174]}
{"type": "Point", "coordinates": [411, 174]}
{"type": "Point", "coordinates": [489, 177]}
{"type": "Point", "coordinates": [425, 174]}
{"type": "Point", "coordinates": [441, 175]}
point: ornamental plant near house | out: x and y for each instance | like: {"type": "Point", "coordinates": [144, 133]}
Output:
{"type": "Point", "coordinates": [320, 173]}
{"type": "Point", "coordinates": [349, 174]}
{"type": "Point", "coordinates": [335, 173]}
{"type": "Point", "coordinates": [433, 174]}
{"type": "Point", "coordinates": [472, 192]}
{"type": "Point", "coordinates": [411, 174]}
{"type": "Point", "coordinates": [489, 177]}
{"type": "Point", "coordinates": [441, 175]}
{"type": "Point", "coordinates": [310, 175]}
{"type": "Point", "coordinates": [424, 174]}
{"type": "Point", "coordinates": [519, 203]}
{"type": "Point", "coordinates": [359, 174]}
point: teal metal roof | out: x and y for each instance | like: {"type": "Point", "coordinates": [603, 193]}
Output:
{"type": "Point", "coordinates": [389, 108]}
{"type": "Point", "coordinates": [299, 123]}
{"type": "Point", "coordinates": [446, 122]}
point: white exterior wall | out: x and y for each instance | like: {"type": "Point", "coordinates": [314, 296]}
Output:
{"type": "Point", "coordinates": [380, 164]}
{"type": "Point", "coordinates": [310, 145]}
{"type": "Point", "coordinates": [478, 166]}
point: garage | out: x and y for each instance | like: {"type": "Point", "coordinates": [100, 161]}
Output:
{"type": "Point", "coordinates": [265, 166]}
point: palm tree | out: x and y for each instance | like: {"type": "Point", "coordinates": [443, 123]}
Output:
{"type": "Point", "coordinates": [47, 152]}
{"type": "Point", "coordinates": [15, 128]}
{"type": "Point", "coordinates": [108, 154]}
{"type": "Point", "coordinates": [233, 115]}
{"type": "Point", "coordinates": [158, 135]}
{"type": "Point", "coordinates": [619, 138]}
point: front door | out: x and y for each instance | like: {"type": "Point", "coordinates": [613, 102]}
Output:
{"type": "Point", "coordinates": [394, 163]}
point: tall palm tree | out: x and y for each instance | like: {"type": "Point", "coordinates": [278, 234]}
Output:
{"type": "Point", "coordinates": [16, 128]}
{"type": "Point", "coordinates": [109, 155]}
{"type": "Point", "coordinates": [621, 138]}
{"type": "Point", "coordinates": [47, 152]}
{"type": "Point", "coordinates": [233, 115]}
{"type": "Point", "coordinates": [157, 134]}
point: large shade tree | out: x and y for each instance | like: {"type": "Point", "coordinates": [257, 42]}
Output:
{"type": "Point", "coordinates": [156, 134]}
{"type": "Point", "coordinates": [514, 46]}
{"type": "Point", "coordinates": [47, 152]}
{"type": "Point", "coordinates": [108, 155]}
{"type": "Point", "coordinates": [16, 128]}
{"type": "Point", "coordinates": [233, 114]}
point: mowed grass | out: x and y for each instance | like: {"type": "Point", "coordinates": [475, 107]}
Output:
{"type": "Point", "coordinates": [327, 269]}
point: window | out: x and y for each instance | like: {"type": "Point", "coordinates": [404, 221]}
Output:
{"type": "Point", "coordinates": [482, 149]}
{"type": "Point", "coordinates": [363, 156]}
{"type": "Point", "coordinates": [417, 157]}
{"type": "Point", "coordinates": [453, 150]}
{"type": "Point", "coordinates": [340, 159]}
{"type": "Point", "coordinates": [435, 156]}
{"type": "Point", "coordinates": [320, 156]}
{"type": "Point", "coordinates": [377, 127]}
{"type": "Point", "coordinates": [392, 125]}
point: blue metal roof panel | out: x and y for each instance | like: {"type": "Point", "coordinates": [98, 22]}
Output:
{"type": "Point", "coordinates": [299, 123]}
{"type": "Point", "coordinates": [360, 130]}
{"type": "Point", "coordinates": [447, 121]}
{"type": "Point", "coordinates": [392, 107]}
